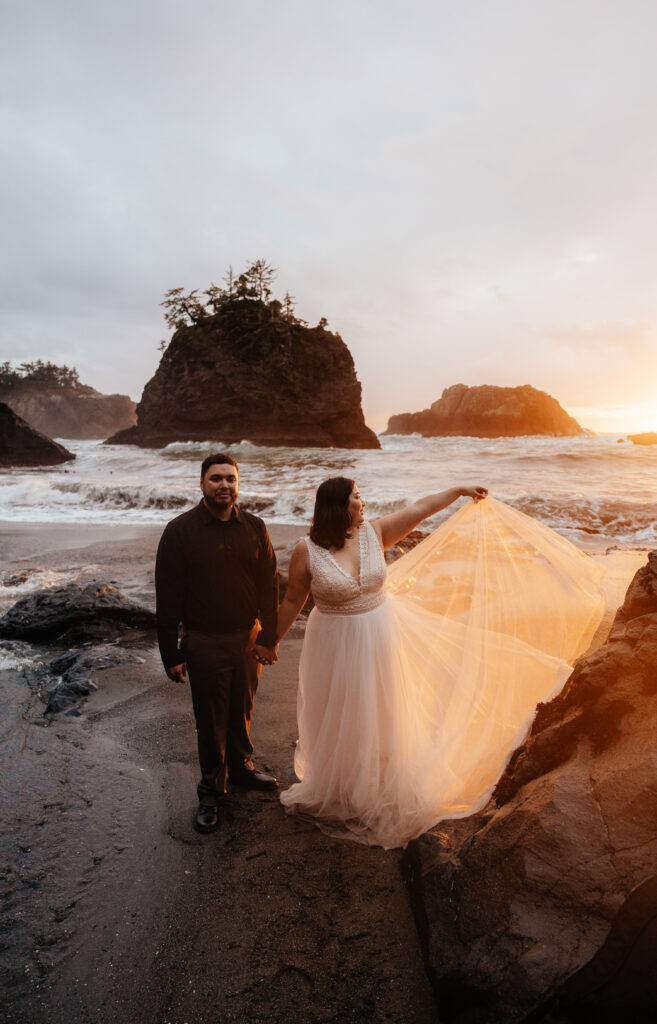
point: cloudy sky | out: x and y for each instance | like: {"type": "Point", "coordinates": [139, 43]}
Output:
{"type": "Point", "coordinates": [466, 189]}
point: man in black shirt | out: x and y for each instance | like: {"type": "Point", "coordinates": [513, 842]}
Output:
{"type": "Point", "coordinates": [216, 575]}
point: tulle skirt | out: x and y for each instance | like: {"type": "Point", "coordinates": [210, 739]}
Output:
{"type": "Point", "coordinates": [409, 713]}
{"type": "Point", "coordinates": [403, 723]}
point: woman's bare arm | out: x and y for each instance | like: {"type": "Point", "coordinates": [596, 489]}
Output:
{"type": "Point", "coordinates": [393, 527]}
{"type": "Point", "coordinates": [298, 587]}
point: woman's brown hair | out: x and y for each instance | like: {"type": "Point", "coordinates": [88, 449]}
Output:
{"type": "Point", "coordinates": [331, 519]}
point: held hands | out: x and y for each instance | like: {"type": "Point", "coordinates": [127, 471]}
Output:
{"type": "Point", "coordinates": [178, 673]}
{"type": "Point", "coordinates": [265, 655]}
{"type": "Point", "coordinates": [476, 493]}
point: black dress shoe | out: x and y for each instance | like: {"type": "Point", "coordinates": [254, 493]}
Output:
{"type": "Point", "coordinates": [207, 818]}
{"type": "Point", "coordinates": [252, 779]}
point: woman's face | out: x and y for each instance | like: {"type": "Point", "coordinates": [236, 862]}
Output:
{"type": "Point", "coordinates": [355, 508]}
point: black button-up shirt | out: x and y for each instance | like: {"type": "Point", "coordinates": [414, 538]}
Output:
{"type": "Point", "coordinates": [214, 577]}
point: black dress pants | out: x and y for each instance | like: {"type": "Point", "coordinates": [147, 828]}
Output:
{"type": "Point", "coordinates": [223, 676]}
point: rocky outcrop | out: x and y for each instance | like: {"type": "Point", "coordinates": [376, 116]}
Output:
{"type": "Point", "coordinates": [79, 413]}
{"type": "Point", "coordinates": [487, 411]}
{"type": "Point", "coordinates": [246, 374]}
{"type": "Point", "coordinates": [649, 438]}
{"type": "Point", "coordinates": [533, 906]}
{"type": "Point", "coordinates": [21, 445]}
{"type": "Point", "coordinates": [74, 672]}
{"type": "Point", "coordinates": [81, 613]}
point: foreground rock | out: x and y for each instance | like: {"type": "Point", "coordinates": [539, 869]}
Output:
{"type": "Point", "coordinates": [532, 906]}
{"type": "Point", "coordinates": [75, 412]}
{"type": "Point", "coordinates": [649, 438]}
{"type": "Point", "coordinates": [93, 611]}
{"type": "Point", "coordinates": [21, 445]}
{"type": "Point", "coordinates": [75, 670]}
{"type": "Point", "coordinates": [248, 374]}
{"type": "Point", "coordinates": [487, 411]}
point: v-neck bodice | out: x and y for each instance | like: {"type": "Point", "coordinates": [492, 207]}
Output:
{"type": "Point", "coordinates": [336, 591]}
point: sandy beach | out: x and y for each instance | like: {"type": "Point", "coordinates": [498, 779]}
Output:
{"type": "Point", "coordinates": [115, 908]}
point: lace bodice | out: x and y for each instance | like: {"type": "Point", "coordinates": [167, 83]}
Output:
{"type": "Point", "coordinates": [335, 591]}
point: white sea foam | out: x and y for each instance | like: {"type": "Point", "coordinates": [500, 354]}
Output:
{"type": "Point", "coordinates": [600, 486]}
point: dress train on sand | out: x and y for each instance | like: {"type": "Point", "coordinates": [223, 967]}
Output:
{"type": "Point", "coordinates": [417, 683]}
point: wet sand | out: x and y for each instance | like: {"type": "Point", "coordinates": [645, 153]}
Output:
{"type": "Point", "coordinates": [114, 908]}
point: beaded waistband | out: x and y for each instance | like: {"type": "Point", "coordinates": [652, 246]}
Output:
{"type": "Point", "coordinates": [359, 605]}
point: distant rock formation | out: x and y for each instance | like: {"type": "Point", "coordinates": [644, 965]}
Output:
{"type": "Point", "coordinates": [247, 373]}
{"type": "Point", "coordinates": [649, 438]}
{"type": "Point", "coordinates": [487, 411]}
{"type": "Point", "coordinates": [20, 445]}
{"type": "Point", "coordinates": [544, 905]}
{"type": "Point", "coordinates": [78, 413]}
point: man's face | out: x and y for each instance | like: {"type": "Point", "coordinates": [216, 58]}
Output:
{"type": "Point", "coordinates": [220, 488]}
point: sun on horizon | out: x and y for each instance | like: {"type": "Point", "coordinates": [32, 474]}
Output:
{"type": "Point", "coordinates": [621, 419]}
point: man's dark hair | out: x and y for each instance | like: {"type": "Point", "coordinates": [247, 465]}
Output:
{"type": "Point", "coordinates": [220, 458]}
{"type": "Point", "coordinates": [331, 519]}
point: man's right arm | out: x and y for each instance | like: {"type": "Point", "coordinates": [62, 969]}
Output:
{"type": "Point", "coordinates": [169, 596]}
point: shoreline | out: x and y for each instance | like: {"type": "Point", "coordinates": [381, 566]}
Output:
{"type": "Point", "coordinates": [117, 907]}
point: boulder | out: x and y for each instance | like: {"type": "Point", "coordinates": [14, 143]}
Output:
{"type": "Point", "coordinates": [488, 411]}
{"type": "Point", "coordinates": [521, 903]}
{"type": "Point", "coordinates": [246, 374]}
{"type": "Point", "coordinates": [74, 412]}
{"type": "Point", "coordinates": [21, 445]}
{"type": "Point", "coordinates": [89, 611]}
{"type": "Point", "coordinates": [649, 438]}
{"type": "Point", "coordinates": [74, 671]}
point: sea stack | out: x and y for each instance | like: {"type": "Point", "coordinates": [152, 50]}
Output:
{"type": "Point", "coordinates": [488, 411]}
{"type": "Point", "coordinates": [20, 445]}
{"type": "Point", "coordinates": [250, 373]}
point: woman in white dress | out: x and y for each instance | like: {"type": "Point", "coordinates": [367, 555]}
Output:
{"type": "Point", "coordinates": [417, 683]}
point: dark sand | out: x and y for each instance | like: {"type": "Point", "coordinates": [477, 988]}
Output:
{"type": "Point", "coordinates": [115, 909]}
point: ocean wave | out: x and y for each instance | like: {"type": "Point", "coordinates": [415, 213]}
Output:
{"type": "Point", "coordinates": [622, 520]}
{"type": "Point", "coordinates": [584, 487]}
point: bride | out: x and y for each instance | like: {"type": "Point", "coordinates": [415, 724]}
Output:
{"type": "Point", "coordinates": [417, 683]}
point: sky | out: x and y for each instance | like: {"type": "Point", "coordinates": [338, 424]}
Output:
{"type": "Point", "coordinates": [465, 189]}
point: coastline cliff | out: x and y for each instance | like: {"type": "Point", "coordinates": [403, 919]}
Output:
{"type": "Point", "coordinates": [488, 411]}
{"type": "Point", "coordinates": [248, 372]}
{"type": "Point", "coordinates": [54, 402]}
{"type": "Point", "coordinates": [82, 416]}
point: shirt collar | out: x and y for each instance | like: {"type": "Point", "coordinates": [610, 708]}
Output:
{"type": "Point", "coordinates": [208, 518]}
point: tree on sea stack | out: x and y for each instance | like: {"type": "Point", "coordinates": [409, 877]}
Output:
{"type": "Point", "coordinates": [241, 365]}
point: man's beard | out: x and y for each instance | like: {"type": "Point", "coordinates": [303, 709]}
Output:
{"type": "Point", "coordinates": [221, 504]}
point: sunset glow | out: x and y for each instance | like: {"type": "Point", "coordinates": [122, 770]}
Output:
{"type": "Point", "coordinates": [627, 419]}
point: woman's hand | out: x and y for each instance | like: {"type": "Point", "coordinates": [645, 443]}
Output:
{"type": "Point", "coordinates": [476, 493]}
{"type": "Point", "coordinates": [393, 527]}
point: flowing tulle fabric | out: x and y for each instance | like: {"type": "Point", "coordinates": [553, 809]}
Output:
{"type": "Point", "coordinates": [416, 688]}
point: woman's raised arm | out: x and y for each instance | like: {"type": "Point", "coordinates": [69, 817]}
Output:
{"type": "Point", "coordinates": [393, 527]}
{"type": "Point", "coordinates": [298, 587]}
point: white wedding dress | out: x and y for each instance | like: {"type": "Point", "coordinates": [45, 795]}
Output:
{"type": "Point", "coordinates": [416, 684]}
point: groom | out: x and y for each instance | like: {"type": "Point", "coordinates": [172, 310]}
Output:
{"type": "Point", "coordinates": [216, 575]}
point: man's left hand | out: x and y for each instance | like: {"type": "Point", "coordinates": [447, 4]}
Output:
{"type": "Point", "coordinates": [265, 655]}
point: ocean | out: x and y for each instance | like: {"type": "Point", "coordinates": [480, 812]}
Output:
{"type": "Point", "coordinates": [596, 490]}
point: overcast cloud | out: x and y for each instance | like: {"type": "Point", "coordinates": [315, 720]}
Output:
{"type": "Point", "coordinates": [466, 190]}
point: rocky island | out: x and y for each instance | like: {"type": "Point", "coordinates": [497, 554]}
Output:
{"type": "Point", "coordinates": [54, 401]}
{"type": "Point", "coordinates": [648, 438]}
{"type": "Point", "coordinates": [488, 411]}
{"type": "Point", "coordinates": [243, 367]}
